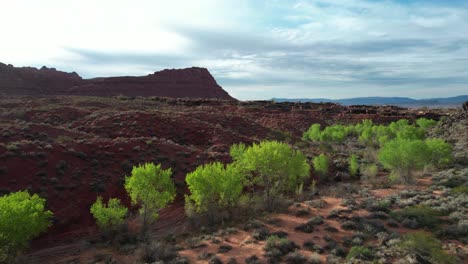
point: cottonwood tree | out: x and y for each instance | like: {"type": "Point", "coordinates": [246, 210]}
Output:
{"type": "Point", "coordinates": [151, 187]}
{"type": "Point", "coordinates": [320, 163]}
{"type": "Point", "coordinates": [402, 156]}
{"type": "Point", "coordinates": [214, 187]}
{"type": "Point", "coordinates": [272, 165]}
{"type": "Point", "coordinates": [22, 217]}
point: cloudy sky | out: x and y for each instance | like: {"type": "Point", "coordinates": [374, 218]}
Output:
{"type": "Point", "coordinates": [255, 49]}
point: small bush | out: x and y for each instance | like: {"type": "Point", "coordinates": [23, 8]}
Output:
{"type": "Point", "coordinates": [369, 171]}
{"type": "Point", "coordinates": [460, 190]}
{"type": "Point", "coordinates": [295, 258]}
{"type": "Point", "coordinates": [215, 260]}
{"type": "Point", "coordinates": [353, 165]}
{"type": "Point", "coordinates": [316, 220]}
{"type": "Point", "coordinates": [280, 245]}
{"type": "Point", "coordinates": [110, 216]}
{"type": "Point", "coordinates": [305, 228]}
{"type": "Point", "coordinates": [321, 164]}
{"type": "Point", "coordinates": [252, 260]}
{"type": "Point", "coordinates": [358, 252]}
{"type": "Point", "coordinates": [153, 252]}
{"type": "Point", "coordinates": [440, 152]}
{"type": "Point", "coordinates": [224, 248]}
{"type": "Point", "coordinates": [349, 225]}
{"type": "Point", "coordinates": [423, 215]}
{"type": "Point", "coordinates": [427, 247]}
{"type": "Point", "coordinates": [309, 245]}
{"type": "Point", "coordinates": [260, 233]}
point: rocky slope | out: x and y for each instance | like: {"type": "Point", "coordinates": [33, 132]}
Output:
{"type": "Point", "coordinates": [176, 83]}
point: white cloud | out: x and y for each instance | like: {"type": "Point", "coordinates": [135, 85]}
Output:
{"type": "Point", "coordinates": [310, 48]}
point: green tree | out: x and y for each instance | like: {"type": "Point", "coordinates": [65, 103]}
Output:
{"type": "Point", "coordinates": [313, 133]}
{"type": "Point", "coordinates": [440, 152]}
{"type": "Point", "coordinates": [320, 163]}
{"type": "Point", "coordinates": [22, 217]}
{"type": "Point", "coordinates": [404, 155]}
{"type": "Point", "coordinates": [335, 133]}
{"type": "Point", "coordinates": [214, 187]}
{"type": "Point", "coordinates": [274, 166]}
{"type": "Point", "coordinates": [110, 216]}
{"type": "Point", "coordinates": [353, 165]}
{"type": "Point", "coordinates": [425, 123]}
{"type": "Point", "coordinates": [410, 132]}
{"type": "Point", "coordinates": [152, 188]}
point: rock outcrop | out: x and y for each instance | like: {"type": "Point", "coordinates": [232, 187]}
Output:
{"type": "Point", "coordinates": [176, 83]}
{"type": "Point", "coordinates": [33, 81]}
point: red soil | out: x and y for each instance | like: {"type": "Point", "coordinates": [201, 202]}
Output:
{"type": "Point", "coordinates": [72, 149]}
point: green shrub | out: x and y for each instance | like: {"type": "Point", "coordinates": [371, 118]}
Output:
{"type": "Point", "coordinates": [369, 171]}
{"type": "Point", "coordinates": [427, 247]}
{"type": "Point", "coordinates": [272, 165]}
{"type": "Point", "coordinates": [425, 123]}
{"type": "Point", "coordinates": [424, 216]}
{"type": "Point", "coordinates": [214, 187]}
{"type": "Point", "coordinates": [22, 217]}
{"type": "Point", "coordinates": [460, 190]}
{"type": "Point", "coordinates": [358, 252]}
{"type": "Point", "coordinates": [440, 152]}
{"type": "Point", "coordinates": [279, 246]}
{"type": "Point", "coordinates": [110, 216]}
{"type": "Point", "coordinates": [353, 165]}
{"type": "Point", "coordinates": [321, 164]}
{"type": "Point", "coordinates": [313, 133]}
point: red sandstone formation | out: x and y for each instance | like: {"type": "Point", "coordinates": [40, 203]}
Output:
{"type": "Point", "coordinates": [177, 83]}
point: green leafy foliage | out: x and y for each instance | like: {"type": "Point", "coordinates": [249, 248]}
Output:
{"type": "Point", "coordinates": [320, 163]}
{"type": "Point", "coordinates": [22, 217]}
{"type": "Point", "coordinates": [358, 252]}
{"type": "Point", "coordinates": [368, 133]}
{"type": "Point", "coordinates": [425, 216]}
{"type": "Point", "coordinates": [427, 247]}
{"type": "Point", "coordinates": [273, 165]}
{"type": "Point", "coordinates": [152, 187]}
{"type": "Point", "coordinates": [353, 165]}
{"type": "Point", "coordinates": [425, 123]}
{"type": "Point", "coordinates": [108, 216]}
{"type": "Point", "coordinates": [440, 152]}
{"type": "Point", "coordinates": [313, 133]}
{"type": "Point", "coordinates": [404, 155]}
{"type": "Point", "coordinates": [215, 186]}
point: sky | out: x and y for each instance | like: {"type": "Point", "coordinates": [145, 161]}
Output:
{"type": "Point", "coordinates": [255, 49]}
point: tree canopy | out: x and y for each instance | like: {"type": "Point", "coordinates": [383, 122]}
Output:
{"type": "Point", "coordinates": [22, 217]}
{"type": "Point", "coordinates": [273, 165]}
{"type": "Point", "coordinates": [152, 187]}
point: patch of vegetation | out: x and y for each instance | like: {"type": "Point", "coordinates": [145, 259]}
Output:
{"type": "Point", "coordinates": [277, 247]}
{"type": "Point", "coordinates": [272, 165]}
{"type": "Point", "coordinates": [22, 217]}
{"type": "Point", "coordinates": [152, 188]}
{"type": "Point", "coordinates": [321, 165]}
{"type": "Point", "coordinates": [426, 247]}
{"type": "Point", "coordinates": [108, 216]}
{"type": "Point", "coordinates": [353, 165]}
{"type": "Point", "coordinates": [213, 188]}
{"type": "Point", "coordinates": [358, 252]}
{"type": "Point", "coordinates": [423, 216]}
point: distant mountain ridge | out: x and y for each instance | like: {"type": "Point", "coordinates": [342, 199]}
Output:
{"type": "Point", "coordinates": [194, 82]}
{"type": "Point", "coordinates": [398, 101]}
